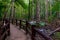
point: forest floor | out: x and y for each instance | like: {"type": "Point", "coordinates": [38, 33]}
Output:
{"type": "Point", "coordinates": [16, 34]}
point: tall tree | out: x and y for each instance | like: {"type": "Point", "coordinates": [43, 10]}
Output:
{"type": "Point", "coordinates": [37, 11]}
{"type": "Point", "coordinates": [12, 10]}
{"type": "Point", "coordinates": [46, 7]}
{"type": "Point", "coordinates": [33, 4]}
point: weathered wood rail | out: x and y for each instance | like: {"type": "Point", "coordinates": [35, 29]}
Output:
{"type": "Point", "coordinates": [4, 30]}
{"type": "Point", "coordinates": [31, 28]}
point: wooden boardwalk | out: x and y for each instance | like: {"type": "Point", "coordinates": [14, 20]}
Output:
{"type": "Point", "coordinates": [16, 34]}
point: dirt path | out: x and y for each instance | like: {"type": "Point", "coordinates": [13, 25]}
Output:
{"type": "Point", "coordinates": [16, 34]}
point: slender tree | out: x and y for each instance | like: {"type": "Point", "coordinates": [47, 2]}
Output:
{"type": "Point", "coordinates": [12, 10]}
{"type": "Point", "coordinates": [37, 11]}
{"type": "Point", "coordinates": [46, 8]}
{"type": "Point", "coordinates": [33, 10]}
{"type": "Point", "coordinates": [29, 11]}
{"type": "Point", "coordinates": [50, 7]}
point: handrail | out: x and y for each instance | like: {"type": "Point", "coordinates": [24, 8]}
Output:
{"type": "Point", "coordinates": [56, 30]}
{"type": "Point", "coordinates": [45, 36]}
{"type": "Point", "coordinates": [5, 30]}
{"type": "Point", "coordinates": [34, 30]}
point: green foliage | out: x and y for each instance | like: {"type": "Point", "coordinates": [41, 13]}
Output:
{"type": "Point", "coordinates": [22, 8]}
{"type": "Point", "coordinates": [52, 17]}
{"type": "Point", "coordinates": [57, 35]}
{"type": "Point", "coordinates": [55, 10]}
{"type": "Point", "coordinates": [42, 24]}
{"type": "Point", "coordinates": [56, 6]}
{"type": "Point", "coordinates": [2, 7]}
{"type": "Point", "coordinates": [18, 3]}
{"type": "Point", "coordinates": [23, 3]}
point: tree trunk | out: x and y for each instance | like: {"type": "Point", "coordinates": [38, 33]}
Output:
{"type": "Point", "coordinates": [5, 12]}
{"type": "Point", "coordinates": [50, 10]}
{"type": "Point", "coordinates": [12, 10]}
{"type": "Point", "coordinates": [46, 8]}
{"type": "Point", "coordinates": [37, 11]}
{"type": "Point", "coordinates": [29, 11]}
{"type": "Point", "coordinates": [32, 10]}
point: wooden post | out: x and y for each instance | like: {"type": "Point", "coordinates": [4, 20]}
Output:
{"type": "Point", "coordinates": [20, 24]}
{"type": "Point", "coordinates": [33, 32]}
{"type": "Point", "coordinates": [16, 22]}
{"type": "Point", "coordinates": [27, 24]}
{"type": "Point", "coordinates": [9, 28]}
{"type": "Point", "coordinates": [12, 21]}
{"type": "Point", "coordinates": [33, 25]}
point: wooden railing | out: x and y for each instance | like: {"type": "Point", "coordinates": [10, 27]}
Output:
{"type": "Point", "coordinates": [4, 30]}
{"type": "Point", "coordinates": [30, 28]}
